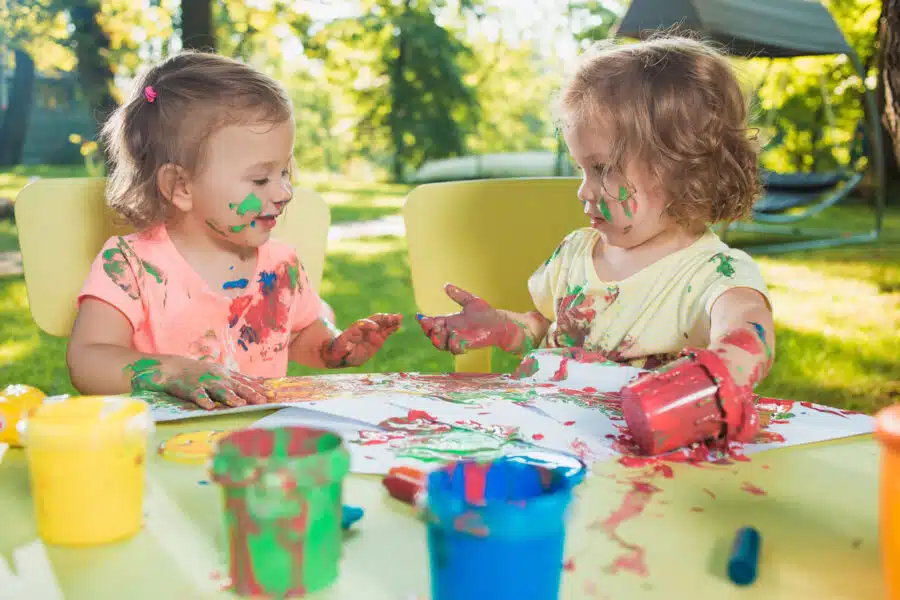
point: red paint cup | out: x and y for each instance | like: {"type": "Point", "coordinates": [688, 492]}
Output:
{"type": "Point", "coordinates": [693, 400]}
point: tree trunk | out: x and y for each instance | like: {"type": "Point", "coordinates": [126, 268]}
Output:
{"type": "Point", "coordinates": [399, 97]}
{"type": "Point", "coordinates": [889, 48]}
{"type": "Point", "coordinates": [92, 52]}
{"type": "Point", "coordinates": [197, 25]}
{"type": "Point", "coordinates": [15, 120]}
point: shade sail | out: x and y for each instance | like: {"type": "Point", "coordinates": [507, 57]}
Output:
{"type": "Point", "coordinates": [764, 28]}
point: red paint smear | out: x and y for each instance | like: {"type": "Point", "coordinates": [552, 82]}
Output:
{"type": "Point", "coordinates": [633, 504]}
{"type": "Point", "coordinates": [752, 489]}
{"type": "Point", "coordinates": [569, 423]}
{"type": "Point", "coordinates": [475, 479]}
{"type": "Point", "coordinates": [267, 311]}
{"type": "Point", "coordinates": [822, 409]}
{"type": "Point", "coordinates": [563, 371]}
{"type": "Point", "coordinates": [538, 436]}
{"type": "Point", "coordinates": [569, 565]}
{"type": "Point", "coordinates": [745, 340]}
{"type": "Point", "coordinates": [710, 493]}
{"type": "Point", "coordinates": [696, 509]}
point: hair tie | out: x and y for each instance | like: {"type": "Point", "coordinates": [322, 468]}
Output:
{"type": "Point", "coordinates": [149, 94]}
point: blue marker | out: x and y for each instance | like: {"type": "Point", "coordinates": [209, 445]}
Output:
{"type": "Point", "coordinates": [350, 515]}
{"type": "Point", "coordinates": [744, 556]}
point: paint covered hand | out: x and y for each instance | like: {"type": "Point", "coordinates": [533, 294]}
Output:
{"type": "Point", "coordinates": [477, 325]}
{"type": "Point", "coordinates": [199, 382]}
{"type": "Point", "coordinates": [360, 341]}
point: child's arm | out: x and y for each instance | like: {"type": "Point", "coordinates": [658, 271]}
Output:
{"type": "Point", "coordinates": [102, 361]}
{"type": "Point", "coordinates": [479, 325]}
{"type": "Point", "coordinates": [742, 332]}
{"type": "Point", "coordinates": [321, 344]}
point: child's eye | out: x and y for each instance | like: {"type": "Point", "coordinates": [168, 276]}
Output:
{"type": "Point", "coordinates": [261, 181]}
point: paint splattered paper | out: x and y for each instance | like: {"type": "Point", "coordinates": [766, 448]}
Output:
{"type": "Point", "coordinates": [560, 405]}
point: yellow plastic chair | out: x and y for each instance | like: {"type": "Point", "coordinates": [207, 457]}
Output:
{"type": "Point", "coordinates": [64, 222]}
{"type": "Point", "coordinates": [487, 237]}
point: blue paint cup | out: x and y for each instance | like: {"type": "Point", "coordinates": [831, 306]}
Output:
{"type": "Point", "coordinates": [497, 529]}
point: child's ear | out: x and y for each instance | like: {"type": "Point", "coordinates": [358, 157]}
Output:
{"type": "Point", "coordinates": [174, 185]}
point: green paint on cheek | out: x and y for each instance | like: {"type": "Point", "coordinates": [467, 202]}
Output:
{"type": "Point", "coordinates": [251, 203]}
{"type": "Point", "coordinates": [623, 198]}
{"type": "Point", "coordinates": [604, 210]}
{"type": "Point", "coordinates": [236, 228]}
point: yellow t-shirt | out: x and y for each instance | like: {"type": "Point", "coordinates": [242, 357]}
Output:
{"type": "Point", "coordinates": [647, 318]}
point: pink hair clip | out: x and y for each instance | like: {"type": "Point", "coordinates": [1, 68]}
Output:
{"type": "Point", "coordinates": [149, 94]}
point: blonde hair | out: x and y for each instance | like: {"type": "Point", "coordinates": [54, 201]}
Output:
{"type": "Point", "coordinates": [193, 94]}
{"type": "Point", "coordinates": [673, 104]}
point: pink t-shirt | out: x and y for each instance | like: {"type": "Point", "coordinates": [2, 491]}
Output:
{"type": "Point", "coordinates": [173, 310]}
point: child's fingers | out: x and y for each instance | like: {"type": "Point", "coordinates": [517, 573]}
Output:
{"type": "Point", "coordinates": [426, 323]}
{"type": "Point", "coordinates": [250, 394]}
{"type": "Point", "coordinates": [199, 397]}
{"type": "Point", "coordinates": [223, 394]}
{"type": "Point", "coordinates": [439, 339]}
{"type": "Point", "coordinates": [455, 343]}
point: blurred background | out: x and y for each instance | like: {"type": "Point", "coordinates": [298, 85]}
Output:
{"type": "Point", "coordinates": [392, 93]}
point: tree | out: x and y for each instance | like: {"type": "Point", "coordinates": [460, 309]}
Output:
{"type": "Point", "coordinates": [402, 70]}
{"type": "Point", "coordinates": [92, 49]}
{"type": "Point", "coordinates": [30, 29]}
{"type": "Point", "coordinates": [889, 72]}
{"type": "Point", "coordinates": [15, 121]}
{"type": "Point", "coordinates": [197, 25]}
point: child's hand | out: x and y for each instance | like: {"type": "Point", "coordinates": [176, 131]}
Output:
{"type": "Point", "coordinates": [360, 341]}
{"type": "Point", "coordinates": [199, 382]}
{"type": "Point", "coordinates": [476, 326]}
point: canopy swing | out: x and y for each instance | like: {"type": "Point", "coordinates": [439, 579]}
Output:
{"type": "Point", "coordinates": [779, 29]}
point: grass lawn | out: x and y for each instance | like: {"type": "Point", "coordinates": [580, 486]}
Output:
{"type": "Point", "coordinates": [837, 311]}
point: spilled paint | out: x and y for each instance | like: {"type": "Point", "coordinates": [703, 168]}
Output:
{"type": "Point", "coordinates": [752, 489]}
{"type": "Point", "coordinates": [574, 317]}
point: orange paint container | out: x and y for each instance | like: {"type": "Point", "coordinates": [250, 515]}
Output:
{"type": "Point", "coordinates": [887, 432]}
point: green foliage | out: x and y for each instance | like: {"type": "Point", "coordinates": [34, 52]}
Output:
{"type": "Point", "coordinates": [808, 108]}
{"type": "Point", "coordinates": [402, 72]}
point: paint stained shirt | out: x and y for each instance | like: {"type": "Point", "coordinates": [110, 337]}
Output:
{"type": "Point", "coordinates": [173, 310]}
{"type": "Point", "coordinates": [647, 318]}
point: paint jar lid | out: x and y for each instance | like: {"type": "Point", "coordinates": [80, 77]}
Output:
{"type": "Point", "coordinates": [310, 457]}
{"type": "Point", "coordinates": [887, 426]}
{"type": "Point", "coordinates": [83, 421]}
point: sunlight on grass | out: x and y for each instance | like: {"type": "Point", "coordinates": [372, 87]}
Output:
{"type": "Point", "coordinates": [14, 179]}
{"type": "Point", "coordinates": [9, 237]}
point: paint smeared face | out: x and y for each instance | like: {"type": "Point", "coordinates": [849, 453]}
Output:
{"type": "Point", "coordinates": [626, 207]}
{"type": "Point", "coordinates": [243, 186]}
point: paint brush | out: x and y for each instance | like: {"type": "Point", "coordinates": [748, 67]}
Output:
{"type": "Point", "coordinates": [407, 485]}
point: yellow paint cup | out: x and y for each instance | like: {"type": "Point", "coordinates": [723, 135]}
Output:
{"type": "Point", "coordinates": [87, 458]}
{"type": "Point", "coordinates": [17, 402]}
{"type": "Point", "coordinates": [887, 431]}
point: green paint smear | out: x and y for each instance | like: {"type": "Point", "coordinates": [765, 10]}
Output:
{"type": "Point", "coordinates": [237, 228]}
{"type": "Point", "coordinates": [604, 210]}
{"type": "Point", "coordinates": [293, 274]}
{"type": "Point", "coordinates": [153, 270]}
{"type": "Point", "coordinates": [214, 227]}
{"type": "Point", "coordinates": [145, 375]}
{"type": "Point", "coordinates": [724, 267]}
{"type": "Point", "coordinates": [623, 198]}
{"type": "Point", "coordinates": [207, 377]}
{"type": "Point", "coordinates": [251, 203]}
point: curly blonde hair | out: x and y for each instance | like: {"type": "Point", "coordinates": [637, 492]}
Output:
{"type": "Point", "coordinates": [193, 94]}
{"type": "Point", "coordinates": [673, 104]}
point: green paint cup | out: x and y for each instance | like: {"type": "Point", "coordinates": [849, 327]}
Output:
{"type": "Point", "coordinates": [283, 508]}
